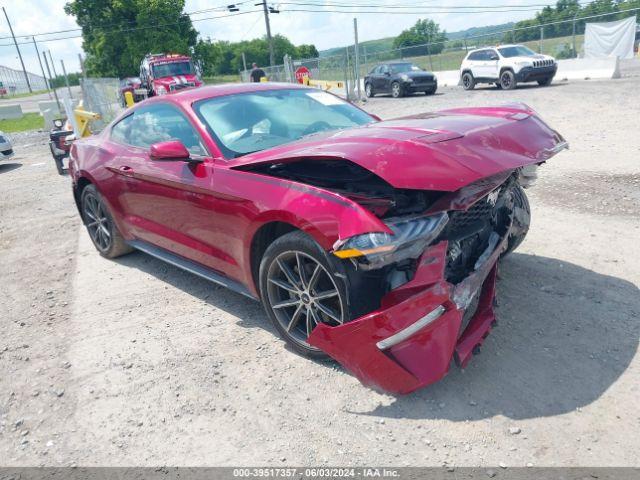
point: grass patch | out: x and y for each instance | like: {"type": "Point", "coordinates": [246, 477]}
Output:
{"type": "Point", "coordinates": [233, 78]}
{"type": "Point", "coordinates": [30, 121]}
{"type": "Point", "coordinates": [21, 95]}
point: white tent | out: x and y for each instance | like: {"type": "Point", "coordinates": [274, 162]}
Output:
{"type": "Point", "coordinates": [610, 39]}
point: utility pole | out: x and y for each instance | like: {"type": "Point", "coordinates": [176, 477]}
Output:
{"type": "Point", "coordinates": [55, 94]}
{"type": "Point", "coordinates": [244, 62]}
{"type": "Point", "coordinates": [269, 39]}
{"type": "Point", "coordinates": [26, 75]}
{"type": "Point", "coordinates": [575, 51]}
{"type": "Point", "coordinates": [66, 79]}
{"type": "Point", "coordinates": [84, 72]}
{"type": "Point", "coordinates": [46, 82]}
{"type": "Point", "coordinates": [357, 57]}
{"type": "Point", "coordinates": [53, 65]}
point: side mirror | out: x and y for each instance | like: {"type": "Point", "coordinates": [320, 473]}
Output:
{"type": "Point", "coordinates": [494, 57]}
{"type": "Point", "coordinates": [172, 150]}
{"type": "Point", "coordinates": [388, 74]}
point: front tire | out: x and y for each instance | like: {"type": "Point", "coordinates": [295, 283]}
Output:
{"type": "Point", "coordinates": [468, 82]}
{"type": "Point", "coordinates": [430, 91]}
{"type": "Point", "coordinates": [508, 80]}
{"type": "Point", "coordinates": [300, 289]}
{"type": "Point", "coordinates": [544, 82]}
{"type": "Point", "coordinates": [368, 90]}
{"type": "Point", "coordinates": [100, 225]}
{"type": "Point", "coordinates": [522, 220]}
{"type": "Point", "coordinates": [396, 90]}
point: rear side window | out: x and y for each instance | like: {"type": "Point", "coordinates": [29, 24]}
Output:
{"type": "Point", "coordinates": [475, 56]}
{"type": "Point", "coordinates": [120, 131]}
{"type": "Point", "coordinates": [157, 123]}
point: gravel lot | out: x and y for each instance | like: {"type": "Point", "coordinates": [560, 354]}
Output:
{"type": "Point", "coordinates": [132, 362]}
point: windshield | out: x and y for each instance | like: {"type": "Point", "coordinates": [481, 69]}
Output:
{"type": "Point", "coordinates": [249, 122]}
{"type": "Point", "coordinates": [404, 67]}
{"type": "Point", "coordinates": [516, 51]}
{"type": "Point", "coordinates": [171, 69]}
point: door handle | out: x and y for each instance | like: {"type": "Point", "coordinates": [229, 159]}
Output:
{"type": "Point", "coordinates": [126, 171]}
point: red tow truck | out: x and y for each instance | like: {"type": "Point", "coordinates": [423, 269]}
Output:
{"type": "Point", "coordinates": [167, 72]}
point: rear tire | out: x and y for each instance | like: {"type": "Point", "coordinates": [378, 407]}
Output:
{"type": "Point", "coordinates": [100, 225]}
{"type": "Point", "coordinates": [498, 86]}
{"type": "Point", "coordinates": [508, 80]}
{"type": "Point", "coordinates": [522, 222]}
{"type": "Point", "coordinates": [468, 82]}
{"type": "Point", "coordinates": [295, 302]}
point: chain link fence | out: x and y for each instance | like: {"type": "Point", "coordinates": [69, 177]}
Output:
{"type": "Point", "coordinates": [102, 96]}
{"type": "Point", "coordinates": [14, 82]}
{"type": "Point", "coordinates": [561, 39]}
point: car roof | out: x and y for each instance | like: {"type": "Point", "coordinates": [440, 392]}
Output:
{"type": "Point", "coordinates": [489, 47]}
{"type": "Point", "coordinates": [191, 95]}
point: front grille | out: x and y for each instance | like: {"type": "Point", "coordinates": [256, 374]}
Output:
{"type": "Point", "coordinates": [464, 222]}
{"type": "Point", "coordinates": [543, 63]}
{"type": "Point", "coordinates": [423, 79]}
{"type": "Point", "coordinates": [180, 86]}
{"type": "Point", "coordinates": [468, 231]}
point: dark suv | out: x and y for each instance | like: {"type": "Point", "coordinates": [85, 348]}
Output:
{"type": "Point", "coordinates": [398, 79]}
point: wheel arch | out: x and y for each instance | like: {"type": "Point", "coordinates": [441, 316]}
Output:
{"type": "Point", "coordinates": [266, 234]}
{"type": "Point", "coordinates": [505, 68]}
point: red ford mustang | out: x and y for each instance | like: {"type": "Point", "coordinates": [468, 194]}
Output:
{"type": "Point", "coordinates": [373, 242]}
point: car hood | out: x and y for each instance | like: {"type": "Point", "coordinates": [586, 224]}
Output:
{"type": "Point", "coordinates": [176, 80]}
{"type": "Point", "coordinates": [414, 74]}
{"type": "Point", "coordinates": [442, 151]}
{"type": "Point", "coordinates": [530, 58]}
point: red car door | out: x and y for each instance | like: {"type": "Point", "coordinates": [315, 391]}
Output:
{"type": "Point", "coordinates": [169, 204]}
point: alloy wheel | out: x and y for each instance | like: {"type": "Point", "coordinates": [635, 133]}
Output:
{"type": "Point", "coordinates": [97, 221]}
{"type": "Point", "coordinates": [368, 90]}
{"type": "Point", "coordinates": [505, 80]}
{"type": "Point", "coordinates": [395, 90]}
{"type": "Point", "coordinates": [302, 294]}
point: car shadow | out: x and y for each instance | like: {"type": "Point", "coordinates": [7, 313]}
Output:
{"type": "Point", "coordinates": [7, 167]}
{"type": "Point", "coordinates": [521, 86]}
{"type": "Point", "coordinates": [565, 334]}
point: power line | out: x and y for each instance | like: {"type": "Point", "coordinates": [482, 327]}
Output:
{"type": "Point", "coordinates": [146, 27]}
{"type": "Point", "coordinates": [221, 8]}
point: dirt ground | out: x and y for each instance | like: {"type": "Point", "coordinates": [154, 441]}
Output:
{"type": "Point", "coordinates": [133, 362]}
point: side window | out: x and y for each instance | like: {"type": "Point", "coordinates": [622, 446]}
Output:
{"type": "Point", "coordinates": [475, 56]}
{"type": "Point", "coordinates": [162, 122]}
{"type": "Point", "coordinates": [120, 131]}
{"type": "Point", "coordinates": [492, 55]}
{"type": "Point", "coordinates": [384, 68]}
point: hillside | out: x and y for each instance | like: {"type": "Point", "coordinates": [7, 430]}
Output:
{"type": "Point", "coordinates": [385, 44]}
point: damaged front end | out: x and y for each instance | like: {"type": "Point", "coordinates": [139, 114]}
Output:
{"type": "Point", "coordinates": [438, 274]}
{"type": "Point", "coordinates": [422, 285]}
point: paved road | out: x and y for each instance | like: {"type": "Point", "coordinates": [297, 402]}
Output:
{"type": "Point", "coordinates": [132, 362]}
{"type": "Point", "coordinates": [30, 104]}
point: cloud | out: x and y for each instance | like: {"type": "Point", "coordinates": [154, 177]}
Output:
{"type": "Point", "coordinates": [326, 30]}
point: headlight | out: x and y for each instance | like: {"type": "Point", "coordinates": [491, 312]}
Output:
{"type": "Point", "coordinates": [409, 239]}
{"type": "Point", "coordinates": [406, 78]}
{"type": "Point", "coordinates": [524, 63]}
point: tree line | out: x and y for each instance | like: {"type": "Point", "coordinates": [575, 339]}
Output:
{"type": "Point", "coordinates": [118, 34]}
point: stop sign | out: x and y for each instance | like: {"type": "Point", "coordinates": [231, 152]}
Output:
{"type": "Point", "coordinates": [302, 72]}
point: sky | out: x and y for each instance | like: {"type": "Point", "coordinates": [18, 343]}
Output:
{"type": "Point", "coordinates": [325, 30]}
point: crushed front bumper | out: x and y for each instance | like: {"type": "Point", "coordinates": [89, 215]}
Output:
{"type": "Point", "coordinates": [425, 356]}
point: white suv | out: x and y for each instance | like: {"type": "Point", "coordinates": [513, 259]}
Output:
{"type": "Point", "coordinates": [506, 66]}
